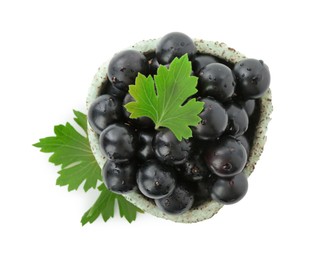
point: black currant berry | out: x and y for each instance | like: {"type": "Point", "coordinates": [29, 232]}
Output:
{"type": "Point", "coordinates": [227, 157]}
{"type": "Point", "coordinates": [253, 78]}
{"type": "Point", "coordinates": [230, 190]}
{"type": "Point", "coordinates": [216, 80]}
{"type": "Point", "coordinates": [238, 120]}
{"type": "Point", "coordinates": [178, 202]}
{"type": "Point", "coordinates": [169, 150]}
{"type": "Point", "coordinates": [125, 66]}
{"type": "Point", "coordinates": [214, 120]}
{"type": "Point", "coordinates": [103, 111]}
{"type": "Point", "coordinates": [119, 177]}
{"type": "Point", "coordinates": [174, 45]}
{"type": "Point", "coordinates": [202, 60]}
{"type": "Point", "coordinates": [155, 180]}
{"type": "Point", "coordinates": [118, 142]}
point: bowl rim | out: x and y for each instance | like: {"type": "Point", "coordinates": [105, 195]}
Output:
{"type": "Point", "coordinates": [208, 209]}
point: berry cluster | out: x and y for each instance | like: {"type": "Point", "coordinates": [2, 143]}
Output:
{"type": "Point", "coordinates": [179, 175]}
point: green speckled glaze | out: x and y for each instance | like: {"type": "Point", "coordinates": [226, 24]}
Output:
{"type": "Point", "coordinates": [208, 209]}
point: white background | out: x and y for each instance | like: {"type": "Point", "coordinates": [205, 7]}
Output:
{"type": "Point", "coordinates": [49, 52]}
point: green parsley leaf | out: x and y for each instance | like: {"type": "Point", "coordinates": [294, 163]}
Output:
{"type": "Point", "coordinates": [104, 206]}
{"type": "Point", "coordinates": [163, 99]}
{"type": "Point", "coordinates": [72, 151]}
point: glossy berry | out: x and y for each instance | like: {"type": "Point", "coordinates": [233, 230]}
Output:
{"type": "Point", "coordinates": [142, 122]}
{"type": "Point", "coordinates": [125, 66]}
{"type": "Point", "coordinates": [173, 45]}
{"type": "Point", "coordinates": [214, 120]}
{"type": "Point", "coordinates": [202, 60]}
{"type": "Point", "coordinates": [216, 80]}
{"type": "Point", "coordinates": [230, 190]}
{"type": "Point", "coordinates": [169, 150]}
{"type": "Point", "coordinates": [145, 151]}
{"type": "Point", "coordinates": [103, 111]}
{"type": "Point", "coordinates": [180, 201]}
{"type": "Point", "coordinates": [155, 180]}
{"type": "Point", "coordinates": [253, 78]}
{"type": "Point", "coordinates": [238, 120]}
{"type": "Point", "coordinates": [227, 157]}
{"type": "Point", "coordinates": [119, 177]}
{"type": "Point", "coordinates": [195, 169]}
{"type": "Point", "coordinates": [118, 142]}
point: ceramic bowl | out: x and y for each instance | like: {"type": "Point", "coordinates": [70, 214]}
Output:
{"type": "Point", "coordinates": [208, 209]}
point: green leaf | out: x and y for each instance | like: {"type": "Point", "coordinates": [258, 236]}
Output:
{"type": "Point", "coordinates": [127, 209]}
{"type": "Point", "coordinates": [72, 152]}
{"type": "Point", "coordinates": [164, 99]}
{"type": "Point", "coordinates": [104, 206]}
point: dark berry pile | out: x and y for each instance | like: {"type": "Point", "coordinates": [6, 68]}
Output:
{"type": "Point", "coordinates": [179, 175]}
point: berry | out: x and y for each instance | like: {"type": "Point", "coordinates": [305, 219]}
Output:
{"type": "Point", "coordinates": [142, 122]}
{"type": "Point", "coordinates": [180, 201]}
{"type": "Point", "coordinates": [173, 45]}
{"type": "Point", "coordinates": [155, 180]}
{"type": "Point", "coordinates": [253, 78]}
{"type": "Point", "coordinates": [169, 150]}
{"type": "Point", "coordinates": [230, 190]}
{"type": "Point", "coordinates": [227, 157]}
{"type": "Point", "coordinates": [119, 177]}
{"type": "Point", "coordinates": [145, 151]}
{"type": "Point", "coordinates": [200, 61]}
{"type": "Point", "coordinates": [238, 120]}
{"type": "Point", "coordinates": [214, 120]}
{"type": "Point", "coordinates": [118, 142]}
{"type": "Point", "coordinates": [125, 66]}
{"type": "Point", "coordinates": [103, 111]}
{"type": "Point", "coordinates": [216, 80]}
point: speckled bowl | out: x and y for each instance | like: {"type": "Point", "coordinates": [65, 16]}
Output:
{"type": "Point", "coordinates": [208, 209]}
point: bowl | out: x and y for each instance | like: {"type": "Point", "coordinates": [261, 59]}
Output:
{"type": "Point", "coordinates": [208, 209]}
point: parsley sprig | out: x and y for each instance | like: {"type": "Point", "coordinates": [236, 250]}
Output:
{"type": "Point", "coordinates": [71, 150]}
{"type": "Point", "coordinates": [167, 99]}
